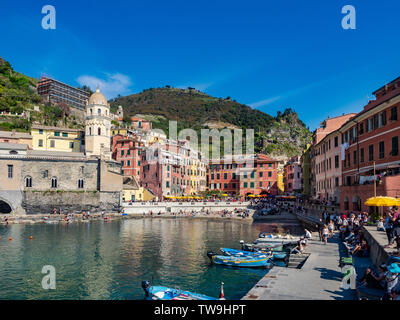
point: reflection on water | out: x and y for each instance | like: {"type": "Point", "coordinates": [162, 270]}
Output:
{"type": "Point", "coordinates": [108, 260]}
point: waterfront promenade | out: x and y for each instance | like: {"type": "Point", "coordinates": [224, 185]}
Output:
{"type": "Point", "coordinates": [319, 278]}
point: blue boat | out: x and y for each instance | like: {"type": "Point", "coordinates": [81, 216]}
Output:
{"type": "Point", "coordinates": [262, 253]}
{"type": "Point", "coordinates": [165, 293]}
{"type": "Point", "coordinates": [242, 253]}
{"type": "Point", "coordinates": [246, 261]}
{"type": "Point", "coordinates": [279, 255]}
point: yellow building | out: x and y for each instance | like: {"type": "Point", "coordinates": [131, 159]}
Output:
{"type": "Point", "coordinates": [56, 139]}
{"type": "Point", "coordinates": [121, 131]}
{"type": "Point", "coordinates": [279, 182]}
{"type": "Point", "coordinates": [140, 194]}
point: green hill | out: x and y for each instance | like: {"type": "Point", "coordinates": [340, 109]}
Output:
{"type": "Point", "coordinates": [19, 97]}
{"type": "Point", "coordinates": [283, 135]}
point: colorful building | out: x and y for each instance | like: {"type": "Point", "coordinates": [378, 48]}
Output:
{"type": "Point", "coordinates": [243, 176]}
{"type": "Point", "coordinates": [56, 139]}
{"type": "Point", "coordinates": [16, 137]}
{"type": "Point", "coordinates": [293, 175]}
{"type": "Point", "coordinates": [127, 150]}
{"type": "Point", "coordinates": [370, 142]}
{"type": "Point", "coordinates": [318, 156]}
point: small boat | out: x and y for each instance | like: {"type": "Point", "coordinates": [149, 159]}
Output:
{"type": "Point", "coordinates": [242, 253]}
{"type": "Point", "coordinates": [265, 247]}
{"type": "Point", "coordinates": [165, 293]}
{"type": "Point", "coordinates": [279, 255]}
{"type": "Point", "coordinates": [246, 261]}
{"type": "Point", "coordinates": [272, 239]}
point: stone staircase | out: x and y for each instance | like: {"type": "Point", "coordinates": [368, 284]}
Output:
{"type": "Point", "coordinates": [296, 261]}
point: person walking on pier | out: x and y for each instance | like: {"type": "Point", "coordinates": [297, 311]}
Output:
{"type": "Point", "coordinates": [325, 234]}
{"type": "Point", "coordinates": [389, 228]}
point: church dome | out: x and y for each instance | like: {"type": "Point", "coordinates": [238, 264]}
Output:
{"type": "Point", "coordinates": [98, 98]}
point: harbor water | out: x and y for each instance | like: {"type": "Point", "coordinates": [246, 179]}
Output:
{"type": "Point", "coordinates": [108, 260]}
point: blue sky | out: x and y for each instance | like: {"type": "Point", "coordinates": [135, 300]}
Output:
{"type": "Point", "coordinates": [268, 54]}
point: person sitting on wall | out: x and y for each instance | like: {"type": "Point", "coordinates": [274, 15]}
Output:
{"type": "Point", "coordinates": [380, 226]}
{"type": "Point", "coordinates": [374, 280]}
{"type": "Point", "coordinates": [361, 250]}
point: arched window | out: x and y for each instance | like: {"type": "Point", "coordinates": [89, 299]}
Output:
{"type": "Point", "coordinates": [28, 182]}
{"type": "Point", "coordinates": [54, 182]}
{"type": "Point", "coordinates": [80, 183]}
{"type": "Point", "coordinates": [91, 111]}
{"type": "Point", "coordinates": [98, 111]}
{"type": "Point", "coordinates": [90, 131]}
{"type": "Point", "coordinates": [99, 131]}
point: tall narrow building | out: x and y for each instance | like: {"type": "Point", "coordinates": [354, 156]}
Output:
{"type": "Point", "coordinates": [97, 126]}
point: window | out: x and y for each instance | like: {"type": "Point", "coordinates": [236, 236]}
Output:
{"type": "Point", "coordinates": [218, 176]}
{"type": "Point", "coordinates": [98, 111]}
{"type": "Point", "coordinates": [212, 176]}
{"type": "Point", "coordinates": [261, 174]}
{"type": "Point", "coordinates": [122, 163]}
{"type": "Point", "coordinates": [138, 163]}
{"type": "Point", "coordinates": [336, 141]}
{"type": "Point", "coordinates": [10, 171]}
{"type": "Point", "coordinates": [71, 145]}
{"type": "Point", "coordinates": [28, 182]}
{"type": "Point", "coordinates": [361, 128]}
{"type": "Point", "coordinates": [245, 185]}
{"type": "Point", "coordinates": [369, 125]}
{"type": "Point", "coordinates": [269, 165]}
{"type": "Point", "coordinates": [395, 146]}
{"type": "Point", "coordinates": [225, 186]}
{"type": "Point", "coordinates": [371, 152]}
{"type": "Point", "coordinates": [40, 143]}
{"type": "Point", "coordinates": [393, 114]}
{"type": "Point", "coordinates": [260, 184]}
{"type": "Point", "coordinates": [65, 134]}
{"type": "Point", "coordinates": [80, 184]}
{"type": "Point", "coordinates": [252, 174]}
{"type": "Point", "coordinates": [129, 163]}
{"type": "Point", "coordinates": [167, 184]}
{"type": "Point", "coordinates": [362, 155]}
{"type": "Point", "coordinates": [54, 182]}
{"type": "Point", "coordinates": [336, 182]}
{"type": "Point", "coordinates": [233, 175]}
{"type": "Point", "coordinates": [336, 161]}
{"type": "Point", "coordinates": [99, 131]}
{"type": "Point", "coordinates": [251, 184]}
{"type": "Point", "coordinates": [269, 174]}
{"type": "Point", "coordinates": [90, 131]}
{"type": "Point", "coordinates": [381, 150]}
{"type": "Point", "coordinates": [225, 176]}
{"type": "Point", "coordinates": [57, 133]}
{"type": "Point", "coordinates": [122, 152]}
{"type": "Point", "coordinates": [40, 131]}
{"type": "Point", "coordinates": [52, 144]}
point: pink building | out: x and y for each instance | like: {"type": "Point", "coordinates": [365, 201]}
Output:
{"type": "Point", "coordinates": [167, 170]}
{"type": "Point", "coordinates": [293, 175]}
{"type": "Point", "coordinates": [323, 169]}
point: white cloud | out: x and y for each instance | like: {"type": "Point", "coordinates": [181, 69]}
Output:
{"type": "Point", "coordinates": [111, 86]}
{"type": "Point", "coordinates": [264, 102]}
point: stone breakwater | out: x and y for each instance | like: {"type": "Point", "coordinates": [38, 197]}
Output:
{"type": "Point", "coordinates": [110, 216]}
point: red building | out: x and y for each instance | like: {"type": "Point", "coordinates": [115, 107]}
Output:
{"type": "Point", "coordinates": [255, 176]}
{"type": "Point", "coordinates": [127, 150]}
{"type": "Point", "coordinates": [142, 124]}
{"type": "Point", "coordinates": [371, 139]}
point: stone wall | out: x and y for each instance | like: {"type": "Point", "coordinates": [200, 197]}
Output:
{"type": "Point", "coordinates": [376, 240]}
{"type": "Point", "coordinates": [67, 172]}
{"type": "Point", "coordinates": [43, 202]}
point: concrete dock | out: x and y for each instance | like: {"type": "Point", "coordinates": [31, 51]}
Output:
{"type": "Point", "coordinates": [319, 278]}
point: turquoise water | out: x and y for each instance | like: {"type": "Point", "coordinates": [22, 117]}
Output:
{"type": "Point", "coordinates": [108, 260]}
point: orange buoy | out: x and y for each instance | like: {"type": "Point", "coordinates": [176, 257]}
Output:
{"type": "Point", "coordinates": [31, 237]}
{"type": "Point", "coordinates": [10, 238]}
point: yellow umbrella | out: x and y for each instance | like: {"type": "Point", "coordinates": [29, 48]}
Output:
{"type": "Point", "coordinates": [382, 202]}
{"type": "Point", "coordinates": [251, 195]}
{"type": "Point", "coordinates": [225, 195]}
